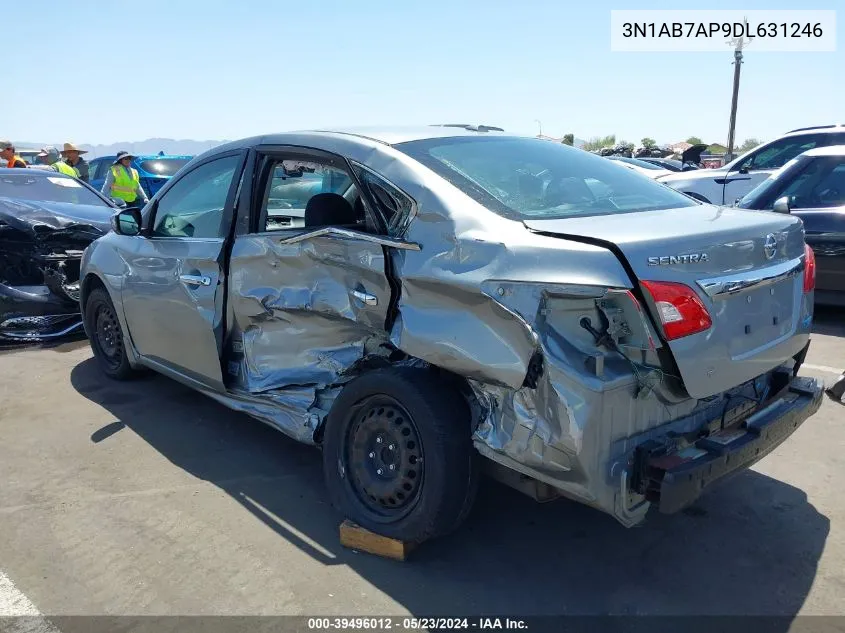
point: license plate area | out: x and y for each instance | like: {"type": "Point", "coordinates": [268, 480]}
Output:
{"type": "Point", "coordinates": [758, 317]}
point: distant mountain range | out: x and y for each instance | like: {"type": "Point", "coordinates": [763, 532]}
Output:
{"type": "Point", "coordinates": [149, 146]}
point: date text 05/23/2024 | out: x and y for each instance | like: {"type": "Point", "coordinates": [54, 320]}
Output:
{"type": "Point", "coordinates": [416, 624]}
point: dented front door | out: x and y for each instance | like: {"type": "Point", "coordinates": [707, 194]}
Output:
{"type": "Point", "coordinates": [305, 308]}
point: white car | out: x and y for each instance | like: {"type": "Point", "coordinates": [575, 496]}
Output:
{"type": "Point", "coordinates": [727, 184]}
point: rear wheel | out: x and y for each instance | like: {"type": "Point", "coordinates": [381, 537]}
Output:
{"type": "Point", "coordinates": [397, 454]}
{"type": "Point", "coordinates": [106, 335]}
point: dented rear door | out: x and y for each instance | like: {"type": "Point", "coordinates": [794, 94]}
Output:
{"type": "Point", "coordinates": [306, 303]}
{"type": "Point", "coordinates": [305, 308]}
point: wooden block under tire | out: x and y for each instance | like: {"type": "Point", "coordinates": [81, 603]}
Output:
{"type": "Point", "coordinates": [355, 537]}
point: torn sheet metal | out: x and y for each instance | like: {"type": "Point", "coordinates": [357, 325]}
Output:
{"type": "Point", "coordinates": [40, 252]}
{"type": "Point", "coordinates": [298, 410]}
{"type": "Point", "coordinates": [301, 325]}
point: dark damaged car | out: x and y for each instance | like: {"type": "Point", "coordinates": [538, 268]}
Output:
{"type": "Point", "coordinates": [419, 302]}
{"type": "Point", "coordinates": [47, 220]}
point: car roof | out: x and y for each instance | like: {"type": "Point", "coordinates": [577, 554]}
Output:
{"type": "Point", "coordinates": [818, 129]}
{"type": "Point", "coordinates": [828, 150]}
{"type": "Point", "coordinates": [392, 135]}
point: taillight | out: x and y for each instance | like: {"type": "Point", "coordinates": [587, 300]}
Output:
{"type": "Point", "coordinates": [680, 309]}
{"type": "Point", "coordinates": [809, 269]}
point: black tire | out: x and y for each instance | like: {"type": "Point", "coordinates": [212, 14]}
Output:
{"type": "Point", "coordinates": [421, 419]}
{"type": "Point", "coordinates": [106, 336]}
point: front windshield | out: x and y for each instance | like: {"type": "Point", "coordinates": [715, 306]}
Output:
{"type": "Point", "coordinates": [54, 188]}
{"type": "Point", "coordinates": [524, 178]}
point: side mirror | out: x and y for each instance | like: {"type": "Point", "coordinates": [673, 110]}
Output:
{"type": "Point", "coordinates": [127, 221]}
{"type": "Point", "coordinates": [781, 205]}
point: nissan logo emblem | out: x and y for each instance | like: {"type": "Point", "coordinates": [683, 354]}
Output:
{"type": "Point", "coordinates": [770, 246]}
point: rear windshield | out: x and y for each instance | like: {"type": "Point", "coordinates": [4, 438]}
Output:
{"type": "Point", "coordinates": [524, 178]}
{"type": "Point", "coordinates": [163, 166]}
{"type": "Point", "coordinates": [55, 188]}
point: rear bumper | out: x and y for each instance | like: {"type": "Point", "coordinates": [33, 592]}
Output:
{"type": "Point", "coordinates": [676, 480]}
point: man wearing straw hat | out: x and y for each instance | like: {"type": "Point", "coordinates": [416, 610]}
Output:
{"type": "Point", "coordinates": [73, 157]}
{"type": "Point", "coordinates": [123, 182]}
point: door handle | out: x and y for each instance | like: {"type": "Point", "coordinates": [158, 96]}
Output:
{"type": "Point", "coordinates": [365, 297]}
{"type": "Point", "coordinates": [195, 280]}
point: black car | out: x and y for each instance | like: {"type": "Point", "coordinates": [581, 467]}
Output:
{"type": "Point", "coordinates": [47, 220]}
{"type": "Point", "coordinates": [812, 187]}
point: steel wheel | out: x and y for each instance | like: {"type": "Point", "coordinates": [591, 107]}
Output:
{"type": "Point", "coordinates": [108, 336]}
{"type": "Point", "coordinates": [384, 458]}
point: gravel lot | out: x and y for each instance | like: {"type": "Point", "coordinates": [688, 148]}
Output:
{"type": "Point", "coordinates": [147, 498]}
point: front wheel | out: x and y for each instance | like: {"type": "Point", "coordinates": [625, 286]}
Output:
{"type": "Point", "coordinates": [398, 456]}
{"type": "Point", "coordinates": [106, 336]}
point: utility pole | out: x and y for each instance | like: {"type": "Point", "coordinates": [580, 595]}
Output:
{"type": "Point", "coordinates": [541, 127]}
{"type": "Point", "coordinates": [738, 43]}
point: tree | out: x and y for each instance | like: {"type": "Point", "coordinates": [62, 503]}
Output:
{"type": "Point", "coordinates": [597, 142]}
{"type": "Point", "coordinates": [648, 143]}
{"type": "Point", "coordinates": [749, 144]}
{"type": "Point", "coordinates": [568, 139]}
{"type": "Point", "coordinates": [694, 140]}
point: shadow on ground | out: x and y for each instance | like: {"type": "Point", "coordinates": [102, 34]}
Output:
{"type": "Point", "coordinates": [829, 320]}
{"type": "Point", "coordinates": [749, 547]}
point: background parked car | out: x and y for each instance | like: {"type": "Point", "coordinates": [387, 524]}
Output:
{"type": "Point", "coordinates": [812, 187]}
{"type": "Point", "coordinates": [728, 184]}
{"type": "Point", "coordinates": [640, 166]}
{"type": "Point", "coordinates": [154, 169]}
{"type": "Point", "coordinates": [47, 219]}
{"type": "Point", "coordinates": [29, 155]}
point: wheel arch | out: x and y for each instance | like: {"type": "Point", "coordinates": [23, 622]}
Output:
{"type": "Point", "coordinates": [449, 379]}
{"type": "Point", "coordinates": [90, 282]}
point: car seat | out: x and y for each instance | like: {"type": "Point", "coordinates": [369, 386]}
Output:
{"type": "Point", "coordinates": [329, 209]}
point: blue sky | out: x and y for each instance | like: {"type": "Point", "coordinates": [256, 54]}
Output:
{"type": "Point", "coordinates": [102, 72]}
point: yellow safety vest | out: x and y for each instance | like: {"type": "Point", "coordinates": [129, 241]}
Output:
{"type": "Point", "coordinates": [64, 168]}
{"type": "Point", "coordinates": [126, 182]}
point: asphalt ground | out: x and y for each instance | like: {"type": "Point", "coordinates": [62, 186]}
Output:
{"type": "Point", "coordinates": [147, 498]}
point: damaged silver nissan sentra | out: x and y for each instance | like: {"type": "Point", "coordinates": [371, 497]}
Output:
{"type": "Point", "coordinates": [410, 299]}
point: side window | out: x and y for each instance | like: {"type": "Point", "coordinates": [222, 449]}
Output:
{"type": "Point", "coordinates": [103, 167]}
{"type": "Point", "coordinates": [95, 169]}
{"type": "Point", "coordinates": [292, 186]}
{"type": "Point", "coordinates": [823, 188]}
{"type": "Point", "coordinates": [777, 154]}
{"type": "Point", "coordinates": [394, 206]}
{"type": "Point", "coordinates": [193, 206]}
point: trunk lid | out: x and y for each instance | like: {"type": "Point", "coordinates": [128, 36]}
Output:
{"type": "Point", "coordinates": [746, 267]}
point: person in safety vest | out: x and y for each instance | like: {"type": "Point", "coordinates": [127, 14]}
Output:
{"type": "Point", "coordinates": [122, 182]}
{"type": "Point", "coordinates": [72, 156]}
{"type": "Point", "coordinates": [7, 153]}
{"type": "Point", "coordinates": [51, 159]}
